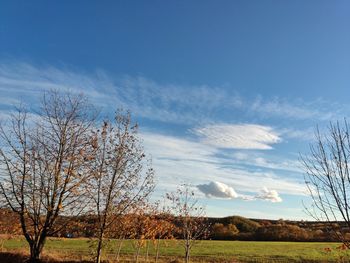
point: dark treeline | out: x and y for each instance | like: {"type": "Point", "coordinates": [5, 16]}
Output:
{"type": "Point", "coordinates": [240, 228]}
{"type": "Point", "coordinates": [226, 228]}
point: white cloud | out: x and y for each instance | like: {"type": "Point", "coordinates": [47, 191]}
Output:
{"type": "Point", "coordinates": [217, 189]}
{"type": "Point", "coordinates": [238, 136]}
{"type": "Point", "coordinates": [269, 195]}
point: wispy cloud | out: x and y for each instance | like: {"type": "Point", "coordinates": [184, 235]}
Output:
{"type": "Point", "coordinates": [239, 136]}
{"type": "Point", "coordinates": [144, 97]}
{"type": "Point", "coordinates": [186, 104]}
{"type": "Point", "coordinates": [297, 109]}
{"type": "Point", "coordinates": [257, 159]}
{"type": "Point", "coordinates": [189, 102]}
{"type": "Point", "coordinates": [307, 134]}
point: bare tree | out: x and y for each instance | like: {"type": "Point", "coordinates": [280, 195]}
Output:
{"type": "Point", "coordinates": [43, 164]}
{"type": "Point", "coordinates": [189, 218]}
{"type": "Point", "coordinates": [121, 176]}
{"type": "Point", "coordinates": [327, 177]}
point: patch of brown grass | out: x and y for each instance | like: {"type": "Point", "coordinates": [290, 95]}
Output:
{"type": "Point", "coordinates": [10, 257]}
{"type": "Point", "coordinates": [55, 257]}
{"type": "Point", "coordinates": [7, 257]}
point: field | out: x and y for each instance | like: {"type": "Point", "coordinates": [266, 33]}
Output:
{"type": "Point", "coordinates": [205, 251]}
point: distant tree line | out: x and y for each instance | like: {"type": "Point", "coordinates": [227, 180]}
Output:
{"type": "Point", "coordinates": [226, 228]}
{"type": "Point", "coordinates": [240, 228]}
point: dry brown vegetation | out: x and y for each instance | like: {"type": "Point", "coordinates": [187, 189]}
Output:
{"type": "Point", "coordinates": [21, 257]}
{"type": "Point", "coordinates": [227, 228]}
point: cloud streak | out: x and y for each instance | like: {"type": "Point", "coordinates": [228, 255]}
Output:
{"type": "Point", "coordinates": [144, 97]}
{"type": "Point", "coordinates": [265, 161]}
{"type": "Point", "coordinates": [297, 109]}
{"type": "Point", "coordinates": [239, 136]}
{"type": "Point", "coordinates": [185, 104]}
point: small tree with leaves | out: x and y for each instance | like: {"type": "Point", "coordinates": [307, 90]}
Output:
{"type": "Point", "coordinates": [143, 228]}
{"type": "Point", "coordinates": [149, 226]}
{"type": "Point", "coordinates": [189, 218]}
{"type": "Point", "coordinates": [121, 177]}
{"type": "Point", "coordinates": [121, 229]}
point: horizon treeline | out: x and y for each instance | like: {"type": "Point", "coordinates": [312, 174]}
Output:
{"type": "Point", "coordinates": [225, 228]}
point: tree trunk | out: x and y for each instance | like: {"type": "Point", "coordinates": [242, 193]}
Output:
{"type": "Point", "coordinates": [147, 250]}
{"type": "Point", "coordinates": [187, 256]}
{"type": "Point", "coordinates": [35, 252]}
{"type": "Point", "coordinates": [138, 253]}
{"type": "Point", "coordinates": [187, 251]}
{"type": "Point", "coordinates": [99, 248]}
{"type": "Point", "coordinates": [119, 248]}
{"type": "Point", "coordinates": [157, 250]}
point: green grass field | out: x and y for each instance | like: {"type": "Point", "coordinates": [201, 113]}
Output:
{"type": "Point", "coordinates": [205, 251]}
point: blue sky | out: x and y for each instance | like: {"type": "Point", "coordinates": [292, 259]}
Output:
{"type": "Point", "coordinates": [227, 93]}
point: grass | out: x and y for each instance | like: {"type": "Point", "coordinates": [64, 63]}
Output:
{"type": "Point", "coordinates": [205, 251]}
